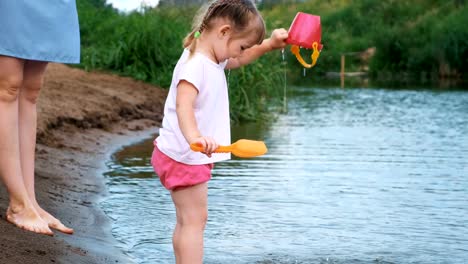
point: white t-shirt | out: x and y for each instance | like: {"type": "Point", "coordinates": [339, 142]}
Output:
{"type": "Point", "coordinates": [211, 109]}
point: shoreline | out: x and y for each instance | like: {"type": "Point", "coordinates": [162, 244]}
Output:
{"type": "Point", "coordinates": [83, 119]}
{"type": "Point", "coordinates": [93, 233]}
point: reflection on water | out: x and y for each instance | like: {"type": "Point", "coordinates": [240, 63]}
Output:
{"type": "Point", "coordinates": [352, 176]}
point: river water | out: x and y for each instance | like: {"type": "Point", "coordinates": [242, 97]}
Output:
{"type": "Point", "coordinates": [352, 176]}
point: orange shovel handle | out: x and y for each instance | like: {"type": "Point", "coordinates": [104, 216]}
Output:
{"type": "Point", "coordinates": [243, 148]}
{"type": "Point", "coordinates": [220, 149]}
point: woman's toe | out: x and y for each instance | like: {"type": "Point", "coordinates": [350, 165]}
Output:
{"type": "Point", "coordinates": [61, 227]}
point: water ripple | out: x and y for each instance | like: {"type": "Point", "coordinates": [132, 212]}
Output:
{"type": "Point", "coordinates": [351, 176]}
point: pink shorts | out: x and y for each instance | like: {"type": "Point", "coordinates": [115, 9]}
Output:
{"type": "Point", "coordinates": [174, 174]}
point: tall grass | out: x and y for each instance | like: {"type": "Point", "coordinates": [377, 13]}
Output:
{"type": "Point", "coordinates": [144, 46]}
{"type": "Point", "coordinates": [257, 88]}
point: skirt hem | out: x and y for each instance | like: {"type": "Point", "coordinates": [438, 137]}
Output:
{"type": "Point", "coordinates": [64, 59]}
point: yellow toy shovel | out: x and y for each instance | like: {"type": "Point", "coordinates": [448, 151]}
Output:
{"type": "Point", "coordinates": [243, 148]}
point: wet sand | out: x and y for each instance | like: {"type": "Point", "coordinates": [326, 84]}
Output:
{"type": "Point", "coordinates": [83, 118]}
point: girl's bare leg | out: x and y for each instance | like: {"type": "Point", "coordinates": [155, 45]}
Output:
{"type": "Point", "coordinates": [21, 211]}
{"type": "Point", "coordinates": [192, 214]}
{"type": "Point", "coordinates": [33, 78]}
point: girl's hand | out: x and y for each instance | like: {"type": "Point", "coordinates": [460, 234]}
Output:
{"type": "Point", "coordinates": [209, 144]}
{"type": "Point", "coordinates": [278, 38]}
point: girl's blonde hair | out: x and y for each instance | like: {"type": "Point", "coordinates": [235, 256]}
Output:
{"type": "Point", "coordinates": [239, 12]}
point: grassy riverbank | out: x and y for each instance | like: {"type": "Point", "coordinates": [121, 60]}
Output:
{"type": "Point", "coordinates": [412, 37]}
{"type": "Point", "coordinates": [423, 38]}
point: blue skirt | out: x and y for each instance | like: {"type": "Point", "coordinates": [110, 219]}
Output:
{"type": "Point", "coordinates": [42, 30]}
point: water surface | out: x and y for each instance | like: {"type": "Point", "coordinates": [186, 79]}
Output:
{"type": "Point", "coordinates": [352, 176]}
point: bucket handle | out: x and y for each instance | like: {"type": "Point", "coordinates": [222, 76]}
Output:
{"type": "Point", "coordinates": [314, 56]}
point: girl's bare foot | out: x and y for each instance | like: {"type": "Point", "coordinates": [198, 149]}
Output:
{"type": "Point", "coordinates": [28, 219]}
{"type": "Point", "coordinates": [54, 222]}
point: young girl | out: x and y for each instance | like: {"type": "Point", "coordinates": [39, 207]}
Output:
{"type": "Point", "coordinates": [229, 34]}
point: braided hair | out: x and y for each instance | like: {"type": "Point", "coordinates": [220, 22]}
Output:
{"type": "Point", "coordinates": [239, 13]}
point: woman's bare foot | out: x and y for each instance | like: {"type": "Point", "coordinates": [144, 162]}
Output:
{"type": "Point", "coordinates": [54, 222]}
{"type": "Point", "coordinates": [28, 219]}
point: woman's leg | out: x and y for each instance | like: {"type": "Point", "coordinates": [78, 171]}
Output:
{"type": "Point", "coordinates": [21, 211]}
{"type": "Point", "coordinates": [192, 214]}
{"type": "Point", "coordinates": [33, 78]}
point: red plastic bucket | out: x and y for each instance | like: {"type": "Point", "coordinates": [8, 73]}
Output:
{"type": "Point", "coordinates": [305, 30]}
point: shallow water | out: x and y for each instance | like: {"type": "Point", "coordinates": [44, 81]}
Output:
{"type": "Point", "coordinates": [352, 176]}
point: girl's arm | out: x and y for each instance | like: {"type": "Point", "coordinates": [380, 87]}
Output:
{"type": "Point", "coordinates": [185, 103]}
{"type": "Point", "coordinates": [276, 41]}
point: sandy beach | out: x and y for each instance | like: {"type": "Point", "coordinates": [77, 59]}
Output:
{"type": "Point", "coordinates": [83, 118]}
